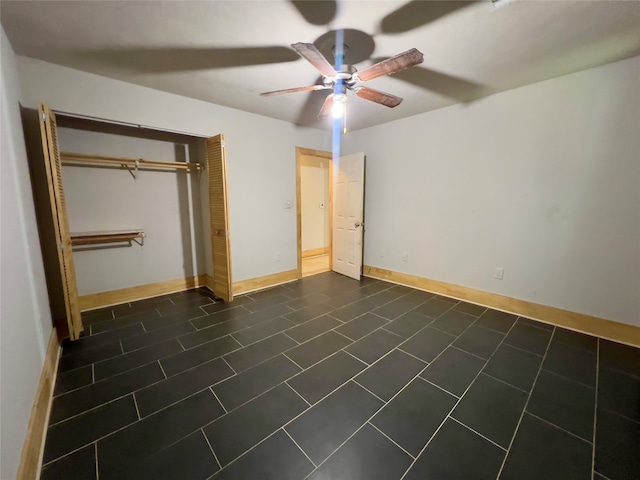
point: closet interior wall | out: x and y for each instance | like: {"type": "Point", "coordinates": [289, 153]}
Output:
{"type": "Point", "coordinates": [169, 205]}
{"type": "Point", "coordinates": [314, 184]}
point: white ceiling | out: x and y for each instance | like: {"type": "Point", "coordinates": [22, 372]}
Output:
{"type": "Point", "coordinates": [473, 51]}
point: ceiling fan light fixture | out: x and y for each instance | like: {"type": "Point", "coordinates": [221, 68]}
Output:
{"type": "Point", "coordinates": [339, 104]}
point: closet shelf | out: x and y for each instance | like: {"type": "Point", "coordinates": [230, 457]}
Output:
{"type": "Point", "coordinates": [109, 236]}
{"type": "Point", "coordinates": [69, 158]}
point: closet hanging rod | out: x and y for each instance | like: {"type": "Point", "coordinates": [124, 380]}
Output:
{"type": "Point", "coordinates": [107, 236]}
{"type": "Point", "coordinates": [77, 158]}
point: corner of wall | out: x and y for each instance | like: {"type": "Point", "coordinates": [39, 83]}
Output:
{"type": "Point", "coordinates": [25, 319]}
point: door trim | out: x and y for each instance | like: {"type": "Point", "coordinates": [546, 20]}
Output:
{"type": "Point", "coordinates": [300, 151]}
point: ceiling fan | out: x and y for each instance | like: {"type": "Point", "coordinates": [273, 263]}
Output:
{"type": "Point", "coordinates": [348, 78]}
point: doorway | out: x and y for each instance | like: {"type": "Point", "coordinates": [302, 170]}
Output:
{"type": "Point", "coordinates": [314, 211]}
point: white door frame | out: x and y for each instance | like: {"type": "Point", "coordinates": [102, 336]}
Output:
{"type": "Point", "coordinates": [300, 152]}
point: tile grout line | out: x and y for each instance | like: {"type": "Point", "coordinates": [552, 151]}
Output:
{"type": "Point", "coordinates": [95, 450]}
{"type": "Point", "coordinates": [351, 355]}
{"type": "Point", "coordinates": [389, 331]}
{"type": "Point", "coordinates": [527, 392]}
{"type": "Point", "coordinates": [365, 388]}
{"type": "Point", "coordinates": [390, 439]}
{"type": "Point", "coordinates": [578, 437]}
{"type": "Point", "coordinates": [459, 400]}
{"type": "Point", "coordinates": [473, 354]}
{"type": "Point", "coordinates": [296, 392]}
{"type": "Point", "coordinates": [595, 412]}
{"type": "Point", "coordinates": [225, 361]}
{"type": "Point", "coordinates": [136, 405]}
{"type": "Point", "coordinates": [524, 350]}
{"type": "Point", "coordinates": [478, 433]}
{"type": "Point", "coordinates": [438, 387]}
{"type": "Point", "coordinates": [342, 334]}
{"type": "Point", "coordinates": [572, 380]}
{"type": "Point", "coordinates": [293, 361]}
{"type": "Point", "coordinates": [285, 334]}
{"type": "Point", "coordinates": [417, 358]}
{"type": "Point", "coordinates": [210, 448]}
{"type": "Point", "coordinates": [216, 397]}
{"type": "Point", "coordinates": [526, 403]}
{"type": "Point", "coordinates": [162, 370]}
{"type": "Point", "coordinates": [299, 447]}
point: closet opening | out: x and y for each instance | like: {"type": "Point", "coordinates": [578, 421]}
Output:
{"type": "Point", "coordinates": [125, 212]}
{"type": "Point", "coordinates": [314, 171]}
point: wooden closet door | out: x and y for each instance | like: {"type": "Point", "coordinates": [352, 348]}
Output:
{"type": "Point", "coordinates": [219, 214]}
{"type": "Point", "coordinates": [49, 134]}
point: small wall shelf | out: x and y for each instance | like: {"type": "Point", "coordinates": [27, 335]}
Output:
{"type": "Point", "coordinates": [108, 236]}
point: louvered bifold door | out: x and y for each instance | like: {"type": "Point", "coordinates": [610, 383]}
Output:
{"type": "Point", "coordinates": [49, 134]}
{"type": "Point", "coordinates": [219, 214]}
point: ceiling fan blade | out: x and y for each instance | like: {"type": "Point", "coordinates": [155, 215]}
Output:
{"type": "Point", "coordinates": [308, 115]}
{"type": "Point", "coordinates": [392, 65]}
{"type": "Point", "coordinates": [382, 98]}
{"type": "Point", "coordinates": [316, 12]}
{"type": "Point", "coordinates": [294, 90]}
{"type": "Point", "coordinates": [443, 84]}
{"type": "Point", "coordinates": [327, 106]}
{"type": "Point", "coordinates": [311, 54]}
{"type": "Point", "coordinates": [168, 60]}
{"type": "Point", "coordinates": [417, 13]}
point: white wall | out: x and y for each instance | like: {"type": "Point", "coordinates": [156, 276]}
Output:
{"type": "Point", "coordinates": [260, 153]}
{"type": "Point", "coordinates": [25, 319]}
{"type": "Point", "coordinates": [166, 204]}
{"type": "Point", "coordinates": [314, 202]}
{"type": "Point", "coordinates": [543, 181]}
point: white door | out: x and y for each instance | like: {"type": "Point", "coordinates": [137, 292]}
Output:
{"type": "Point", "coordinates": [348, 215]}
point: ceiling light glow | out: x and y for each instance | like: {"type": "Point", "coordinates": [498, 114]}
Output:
{"type": "Point", "coordinates": [338, 106]}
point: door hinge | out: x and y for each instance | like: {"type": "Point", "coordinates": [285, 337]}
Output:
{"type": "Point", "coordinates": [222, 143]}
{"type": "Point", "coordinates": [44, 117]}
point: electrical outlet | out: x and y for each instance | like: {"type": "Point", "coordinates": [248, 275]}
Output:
{"type": "Point", "coordinates": [287, 205]}
{"type": "Point", "coordinates": [381, 253]}
{"type": "Point", "coordinates": [405, 256]}
{"type": "Point", "coordinates": [277, 257]}
{"type": "Point", "coordinates": [499, 273]}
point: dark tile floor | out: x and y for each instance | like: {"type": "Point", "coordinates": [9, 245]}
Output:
{"type": "Point", "coordinates": [329, 378]}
